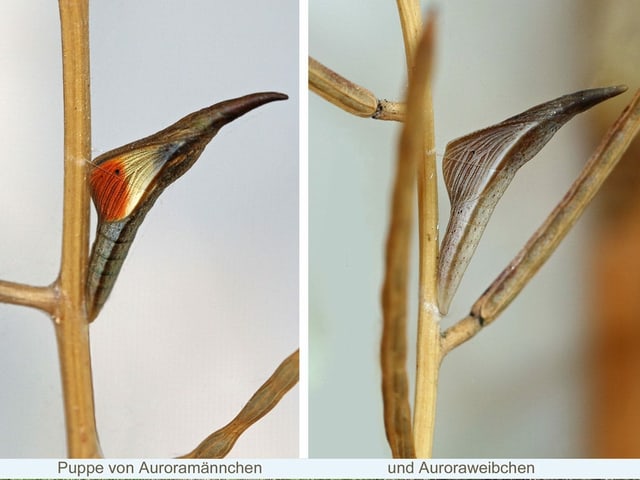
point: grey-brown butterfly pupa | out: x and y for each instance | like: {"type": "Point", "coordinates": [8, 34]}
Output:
{"type": "Point", "coordinates": [478, 167]}
{"type": "Point", "coordinates": [126, 182]}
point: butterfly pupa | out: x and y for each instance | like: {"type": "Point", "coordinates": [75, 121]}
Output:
{"type": "Point", "coordinates": [478, 167]}
{"type": "Point", "coordinates": [125, 183]}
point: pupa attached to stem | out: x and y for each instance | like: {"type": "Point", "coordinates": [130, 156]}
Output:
{"type": "Point", "coordinates": [126, 182]}
{"type": "Point", "coordinates": [478, 167]}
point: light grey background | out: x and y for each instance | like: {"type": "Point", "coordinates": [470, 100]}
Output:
{"type": "Point", "coordinates": [517, 389]}
{"type": "Point", "coordinates": [206, 305]}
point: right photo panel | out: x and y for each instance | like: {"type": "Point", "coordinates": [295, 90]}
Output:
{"type": "Point", "coordinates": [473, 229]}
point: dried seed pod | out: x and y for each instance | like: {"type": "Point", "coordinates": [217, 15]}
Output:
{"type": "Point", "coordinates": [126, 182]}
{"type": "Point", "coordinates": [478, 167]}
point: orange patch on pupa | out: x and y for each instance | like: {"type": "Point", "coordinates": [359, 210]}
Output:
{"type": "Point", "coordinates": [110, 190]}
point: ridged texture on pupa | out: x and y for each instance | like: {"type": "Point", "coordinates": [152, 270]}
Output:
{"type": "Point", "coordinates": [478, 167]}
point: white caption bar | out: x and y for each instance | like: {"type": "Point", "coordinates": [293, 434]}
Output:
{"type": "Point", "coordinates": [321, 469]}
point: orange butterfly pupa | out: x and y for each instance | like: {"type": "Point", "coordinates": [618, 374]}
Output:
{"type": "Point", "coordinates": [126, 182]}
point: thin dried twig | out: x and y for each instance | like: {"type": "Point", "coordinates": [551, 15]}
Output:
{"type": "Point", "coordinates": [219, 443]}
{"type": "Point", "coordinates": [43, 298]}
{"type": "Point", "coordinates": [393, 353]}
{"type": "Point", "coordinates": [428, 335]}
{"type": "Point", "coordinates": [411, 21]}
{"type": "Point", "coordinates": [72, 329]}
{"type": "Point", "coordinates": [350, 97]}
{"type": "Point", "coordinates": [546, 239]}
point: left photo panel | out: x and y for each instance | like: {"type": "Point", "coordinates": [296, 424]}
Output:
{"type": "Point", "coordinates": [149, 258]}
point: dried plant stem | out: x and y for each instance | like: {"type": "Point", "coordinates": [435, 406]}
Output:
{"type": "Point", "coordinates": [397, 412]}
{"type": "Point", "coordinates": [393, 350]}
{"type": "Point", "coordinates": [350, 97]}
{"type": "Point", "coordinates": [219, 443]}
{"type": "Point", "coordinates": [388, 110]}
{"type": "Point", "coordinates": [43, 298]}
{"type": "Point", "coordinates": [428, 337]}
{"type": "Point", "coordinates": [411, 22]}
{"type": "Point", "coordinates": [546, 239]}
{"type": "Point", "coordinates": [72, 329]}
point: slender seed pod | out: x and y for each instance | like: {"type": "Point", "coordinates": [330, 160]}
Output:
{"type": "Point", "coordinates": [478, 167]}
{"type": "Point", "coordinates": [126, 182]}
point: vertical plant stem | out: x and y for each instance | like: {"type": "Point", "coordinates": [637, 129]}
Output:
{"type": "Point", "coordinates": [393, 348]}
{"type": "Point", "coordinates": [428, 341]}
{"type": "Point", "coordinates": [411, 22]}
{"type": "Point", "coordinates": [394, 294]}
{"type": "Point", "coordinates": [72, 328]}
{"type": "Point", "coordinates": [428, 338]}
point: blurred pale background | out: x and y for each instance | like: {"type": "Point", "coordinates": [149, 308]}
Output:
{"type": "Point", "coordinates": [519, 389]}
{"type": "Point", "coordinates": [206, 305]}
